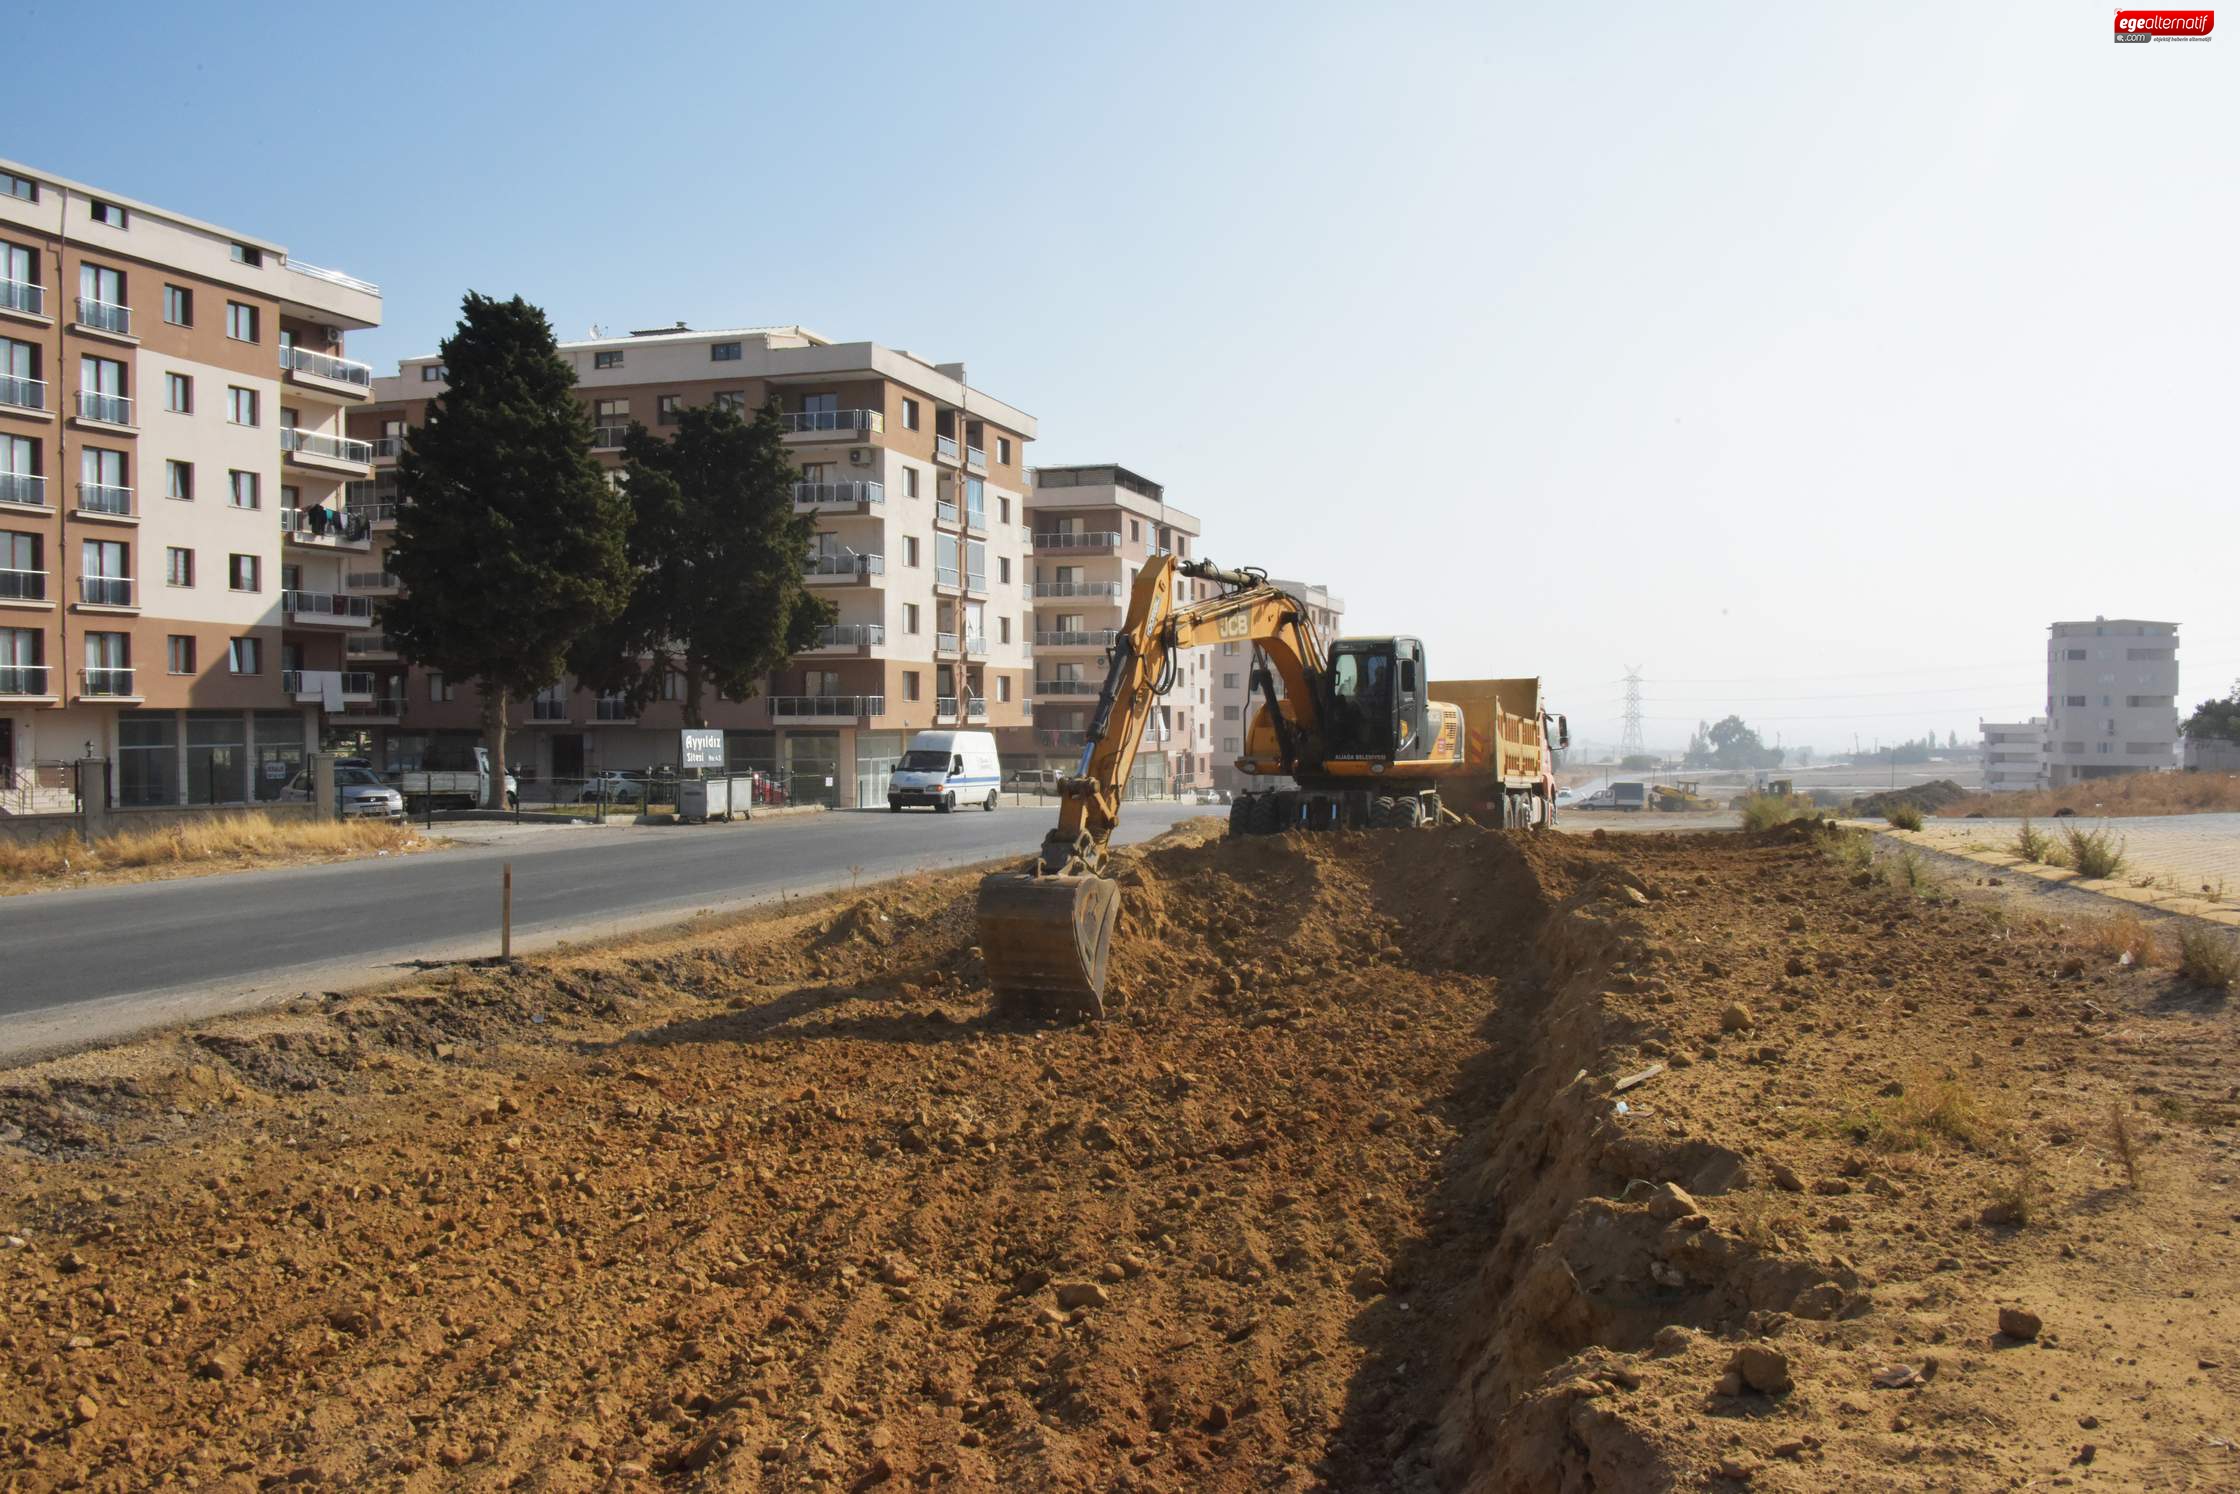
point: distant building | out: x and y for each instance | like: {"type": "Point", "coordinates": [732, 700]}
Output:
{"type": "Point", "coordinates": [1233, 697]}
{"type": "Point", "coordinates": [2212, 755]}
{"type": "Point", "coordinates": [2111, 699]}
{"type": "Point", "coordinates": [2014, 755]}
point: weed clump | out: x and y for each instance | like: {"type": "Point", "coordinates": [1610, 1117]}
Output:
{"type": "Point", "coordinates": [2208, 959]}
{"type": "Point", "coordinates": [2094, 853]}
{"type": "Point", "coordinates": [2125, 934]}
{"type": "Point", "coordinates": [1903, 816]}
{"type": "Point", "coordinates": [2032, 844]}
{"type": "Point", "coordinates": [1928, 1112]}
{"type": "Point", "coordinates": [1764, 811]}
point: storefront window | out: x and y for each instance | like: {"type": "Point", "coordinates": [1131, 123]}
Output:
{"type": "Point", "coordinates": [279, 752]}
{"type": "Point", "coordinates": [217, 757]}
{"type": "Point", "coordinates": [147, 759]}
{"type": "Point", "coordinates": [812, 768]}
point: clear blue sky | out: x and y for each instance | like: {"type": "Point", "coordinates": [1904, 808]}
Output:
{"type": "Point", "coordinates": [1812, 357]}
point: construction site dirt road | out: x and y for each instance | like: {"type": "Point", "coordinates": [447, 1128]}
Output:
{"type": "Point", "coordinates": [1539, 1162]}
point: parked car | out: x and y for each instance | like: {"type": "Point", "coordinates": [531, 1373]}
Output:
{"type": "Point", "coordinates": [615, 787]}
{"type": "Point", "coordinates": [947, 768]}
{"type": "Point", "coordinates": [363, 796]}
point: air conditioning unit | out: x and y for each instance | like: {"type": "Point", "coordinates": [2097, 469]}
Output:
{"type": "Point", "coordinates": [857, 456]}
{"type": "Point", "coordinates": [334, 336]}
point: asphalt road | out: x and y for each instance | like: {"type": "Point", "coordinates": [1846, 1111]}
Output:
{"type": "Point", "coordinates": [103, 961]}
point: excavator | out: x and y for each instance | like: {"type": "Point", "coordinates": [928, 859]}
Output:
{"type": "Point", "coordinates": [1353, 726]}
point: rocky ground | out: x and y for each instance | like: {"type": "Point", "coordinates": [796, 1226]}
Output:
{"type": "Point", "coordinates": [1456, 1160]}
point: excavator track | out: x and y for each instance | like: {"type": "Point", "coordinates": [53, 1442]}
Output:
{"type": "Point", "coordinates": [1047, 940]}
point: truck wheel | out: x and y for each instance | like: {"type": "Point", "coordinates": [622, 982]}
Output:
{"type": "Point", "coordinates": [893, 807]}
{"type": "Point", "coordinates": [948, 803]}
{"type": "Point", "coordinates": [1380, 812]}
{"type": "Point", "coordinates": [990, 806]}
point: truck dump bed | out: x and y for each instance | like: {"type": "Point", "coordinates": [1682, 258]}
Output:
{"type": "Point", "coordinates": [1501, 726]}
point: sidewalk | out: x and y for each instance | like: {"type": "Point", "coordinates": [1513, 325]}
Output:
{"type": "Point", "coordinates": [2184, 863]}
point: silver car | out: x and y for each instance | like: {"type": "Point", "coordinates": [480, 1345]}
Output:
{"type": "Point", "coordinates": [363, 796]}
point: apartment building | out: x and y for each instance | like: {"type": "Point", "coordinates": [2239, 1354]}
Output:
{"type": "Point", "coordinates": [917, 482]}
{"type": "Point", "coordinates": [1233, 696]}
{"type": "Point", "coordinates": [1094, 526]}
{"type": "Point", "coordinates": [172, 531]}
{"type": "Point", "coordinates": [2013, 754]}
{"type": "Point", "coordinates": [2111, 699]}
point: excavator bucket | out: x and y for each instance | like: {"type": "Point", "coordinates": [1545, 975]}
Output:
{"type": "Point", "coordinates": [1047, 940]}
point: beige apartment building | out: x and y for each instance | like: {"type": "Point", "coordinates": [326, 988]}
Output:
{"type": "Point", "coordinates": [1233, 696]}
{"type": "Point", "coordinates": [1094, 526]}
{"type": "Point", "coordinates": [172, 596]}
{"type": "Point", "coordinates": [917, 483]}
{"type": "Point", "coordinates": [2111, 699]}
{"type": "Point", "coordinates": [2014, 755]}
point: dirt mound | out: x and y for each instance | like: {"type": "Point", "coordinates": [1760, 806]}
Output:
{"type": "Point", "coordinates": [1927, 797]}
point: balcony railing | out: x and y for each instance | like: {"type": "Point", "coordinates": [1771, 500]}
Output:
{"type": "Point", "coordinates": [975, 515]}
{"type": "Point", "coordinates": [24, 394]}
{"type": "Point", "coordinates": [616, 708]}
{"type": "Point", "coordinates": [1093, 539]}
{"type": "Point", "coordinates": [1068, 687]}
{"type": "Point", "coordinates": [976, 459]}
{"type": "Point", "coordinates": [946, 511]}
{"type": "Point", "coordinates": [816, 494]}
{"type": "Point", "coordinates": [811, 422]}
{"type": "Point", "coordinates": [387, 448]}
{"type": "Point", "coordinates": [845, 565]}
{"type": "Point", "coordinates": [946, 643]}
{"type": "Point", "coordinates": [105, 682]}
{"type": "Point", "coordinates": [23, 586]}
{"type": "Point", "coordinates": [27, 488]}
{"type": "Point", "coordinates": [826, 707]}
{"type": "Point", "coordinates": [1077, 589]}
{"type": "Point", "coordinates": [110, 409]}
{"type": "Point", "coordinates": [343, 525]}
{"type": "Point", "coordinates": [947, 575]}
{"type": "Point", "coordinates": [24, 296]}
{"type": "Point", "coordinates": [327, 366]}
{"type": "Point", "coordinates": [976, 643]}
{"type": "Point", "coordinates": [102, 498]}
{"type": "Point", "coordinates": [23, 679]}
{"type": "Point", "coordinates": [327, 604]}
{"type": "Point", "coordinates": [377, 706]}
{"type": "Point", "coordinates": [609, 437]}
{"type": "Point", "coordinates": [945, 705]}
{"type": "Point", "coordinates": [975, 580]}
{"type": "Point", "coordinates": [369, 643]}
{"type": "Point", "coordinates": [945, 447]}
{"type": "Point", "coordinates": [851, 635]}
{"type": "Point", "coordinates": [1072, 638]}
{"type": "Point", "coordinates": [976, 708]}
{"type": "Point", "coordinates": [543, 708]}
{"type": "Point", "coordinates": [372, 581]}
{"type": "Point", "coordinates": [356, 682]}
{"type": "Point", "coordinates": [105, 591]}
{"type": "Point", "coordinates": [325, 447]}
{"type": "Point", "coordinates": [104, 316]}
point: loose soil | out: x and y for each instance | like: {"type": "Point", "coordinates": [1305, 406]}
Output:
{"type": "Point", "coordinates": [1456, 1160]}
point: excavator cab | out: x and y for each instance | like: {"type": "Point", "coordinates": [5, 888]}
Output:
{"type": "Point", "coordinates": [1379, 699]}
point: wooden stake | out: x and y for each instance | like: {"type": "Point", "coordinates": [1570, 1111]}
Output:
{"type": "Point", "coordinates": [505, 918]}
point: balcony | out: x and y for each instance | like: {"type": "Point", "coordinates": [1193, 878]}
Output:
{"type": "Point", "coordinates": [976, 517]}
{"type": "Point", "coordinates": [1068, 687]}
{"type": "Point", "coordinates": [104, 409]}
{"type": "Point", "coordinates": [946, 512]}
{"type": "Point", "coordinates": [387, 448]}
{"type": "Point", "coordinates": [374, 710]}
{"type": "Point", "coordinates": [23, 298]}
{"type": "Point", "coordinates": [945, 708]}
{"type": "Point", "coordinates": [849, 635]}
{"type": "Point", "coordinates": [104, 500]}
{"type": "Point", "coordinates": [327, 374]}
{"type": "Point", "coordinates": [826, 707]}
{"type": "Point", "coordinates": [945, 448]}
{"type": "Point", "coordinates": [549, 708]}
{"type": "Point", "coordinates": [843, 569]}
{"type": "Point", "coordinates": [105, 591]}
{"type": "Point", "coordinates": [976, 645]}
{"type": "Point", "coordinates": [615, 708]}
{"type": "Point", "coordinates": [104, 316]}
{"type": "Point", "coordinates": [975, 460]}
{"type": "Point", "coordinates": [831, 425]}
{"type": "Point", "coordinates": [327, 609]}
{"type": "Point", "coordinates": [22, 393]}
{"type": "Point", "coordinates": [1109, 590]}
{"type": "Point", "coordinates": [1096, 638]}
{"type": "Point", "coordinates": [26, 488]}
{"type": "Point", "coordinates": [328, 528]}
{"type": "Point", "coordinates": [946, 643]}
{"type": "Point", "coordinates": [23, 586]}
{"type": "Point", "coordinates": [23, 679]}
{"type": "Point", "coordinates": [812, 497]}
{"type": "Point", "coordinates": [949, 576]}
{"type": "Point", "coordinates": [976, 581]}
{"type": "Point", "coordinates": [609, 437]}
{"type": "Point", "coordinates": [331, 453]}
{"type": "Point", "coordinates": [310, 684]}
{"type": "Point", "coordinates": [373, 583]}
{"type": "Point", "coordinates": [113, 683]}
{"type": "Point", "coordinates": [370, 646]}
{"type": "Point", "coordinates": [1088, 542]}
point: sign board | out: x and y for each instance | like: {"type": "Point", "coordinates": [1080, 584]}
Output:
{"type": "Point", "coordinates": [277, 768]}
{"type": "Point", "coordinates": [700, 748]}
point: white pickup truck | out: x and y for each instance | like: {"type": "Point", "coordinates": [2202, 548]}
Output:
{"type": "Point", "coordinates": [455, 790]}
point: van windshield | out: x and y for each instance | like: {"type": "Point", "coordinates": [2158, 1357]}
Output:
{"type": "Point", "coordinates": [925, 762]}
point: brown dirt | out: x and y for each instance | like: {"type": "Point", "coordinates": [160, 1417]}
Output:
{"type": "Point", "coordinates": [1340, 1197]}
{"type": "Point", "coordinates": [2133, 794]}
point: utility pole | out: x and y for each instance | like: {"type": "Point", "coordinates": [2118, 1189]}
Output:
{"type": "Point", "coordinates": [1630, 744]}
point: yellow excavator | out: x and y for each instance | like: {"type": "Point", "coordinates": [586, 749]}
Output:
{"type": "Point", "coordinates": [1353, 726]}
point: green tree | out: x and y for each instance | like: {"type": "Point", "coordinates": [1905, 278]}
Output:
{"type": "Point", "coordinates": [716, 550]}
{"type": "Point", "coordinates": [2216, 719]}
{"type": "Point", "coordinates": [1734, 745]}
{"type": "Point", "coordinates": [509, 546]}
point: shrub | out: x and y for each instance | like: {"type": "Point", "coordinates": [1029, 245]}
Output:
{"type": "Point", "coordinates": [1850, 849]}
{"type": "Point", "coordinates": [2031, 843]}
{"type": "Point", "coordinates": [2124, 934]}
{"type": "Point", "coordinates": [2094, 853]}
{"type": "Point", "coordinates": [1907, 871]}
{"type": "Point", "coordinates": [1764, 811]}
{"type": "Point", "coordinates": [2208, 959]}
{"type": "Point", "coordinates": [1904, 816]}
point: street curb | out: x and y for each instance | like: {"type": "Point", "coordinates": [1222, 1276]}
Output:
{"type": "Point", "coordinates": [2184, 905]}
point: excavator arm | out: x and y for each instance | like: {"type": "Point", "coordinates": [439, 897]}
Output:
{"type": "Point", "coordinates": [1046, 932]}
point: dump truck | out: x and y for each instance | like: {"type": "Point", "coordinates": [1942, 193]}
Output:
{"type": "Point", "coordinates": [1356, 730]}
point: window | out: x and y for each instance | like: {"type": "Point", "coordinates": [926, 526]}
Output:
{"type": "Point", "coordinates": [1003, 450]}
{"type": "Point", "coordinates": [665, 410]}
{"type": "Point", "coordinates": [439, 688]}
{"type": "Point", "coordinates": [909, 684]}
{"type": "Point", "coordinates": [433, 373]}
{"type": "Point", "coordinates": [245, 655]}
{"type": "Point", "coordinates": [1003, 630]}
{"type": "Point", "coordinates": [241, 405]}
{"type": "Point", "coordinates": [1232, 713]}
{"type": "Point", "coordinates": [178, 306]}
{"type": "Point", "coordinates": [734, 400]}
{"type": "Point", "coordinates": [1003, 687]}
{"type": "Point", "coordinates": [1003, 569]}
{"type": "Point", "coordinates": [243, 488]}
{"type": "Point", "coordinates": [244, 254]}
{"type": "Point", "coordinates": [723, 352]}
{"type": "Point", "coordinates": [179, 653]}
{"type": "Point", "coordinates": [1228, 682]}
{"type": "Point", "coordinates": [1003, 509]}
{"type": "Point", "coordinates": [178, 394]}
{"type": "Point", "coordinates": [909, 549]}
{"type": "Point", "coordinates": [109, 213]}
{"type": "Point", "coordinates": [909, 414]}
{"type": "Point", "coordinates": [18, 186]}
{"type": "Point", "coordinates": [2075, 653]}
{"type": "Point", "coordinates": [241, 321]}
{"type": "Point", "coordinates": [244, 573]}
{"type": "Point", "coordinates": [2073, 700]}
{"type": "Point", "coordinates": [909, 617]}
{"type": "Point", "coordinates": [612, 358]}
{"type": "Point", "coordinates": [672, 684]}
{"type": "Point", "coordinates": [178, 566]}
{"type": "Point", "coordinates": [104, 470]}
{"type": "Point", "coordinates": [1229, 744]}
{"type": "Point", "coordinates": [909, 482]}
{"type": "Point", "coordinates": [103, 287]}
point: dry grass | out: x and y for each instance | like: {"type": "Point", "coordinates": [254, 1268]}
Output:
{"type": "Point", "coordinates": [2135, 793]}
{"type": "Point", "coordinates": [2124, 934]}
{"type": "Point", "coordinates": [2096, 854]}
{"type": "Point", "coordinates": [1930, 1110]}
{"type": "Point", "coordinates": [2124, 1142]}
{"type": "Point", "coordinates": [2019, 1197]}
{"type": "Point", "coordinates": [2031, 843]}
{"type": "Point", "coordinates": [2209, 959]}
{"type": "Point", "coordinates": [219, 842]}
{"type": "Point", "coordinates": [1908, 872]}
{"type": "Point", "coordinates": [1904, 816]}
{"type": "Point", "coordinates": [1764, 811]}
{"type": "Point", "coordinates": [1852, 850]}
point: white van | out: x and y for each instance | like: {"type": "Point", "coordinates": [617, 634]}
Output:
{"type": "Point", "coordinates": [945, 769]}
